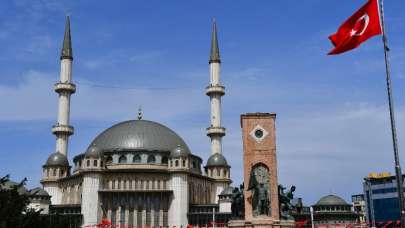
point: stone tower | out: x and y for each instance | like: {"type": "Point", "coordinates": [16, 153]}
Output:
{"type": "Point", "coordinates": [259, 157]}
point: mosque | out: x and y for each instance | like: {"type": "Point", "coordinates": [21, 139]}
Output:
{"type": "Point", "coordinates": [137, 172]}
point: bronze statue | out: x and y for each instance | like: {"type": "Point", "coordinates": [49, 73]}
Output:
{"type": "Point", "coordinates": [285, 198]}
{"type": "Point", "coordinates": [238, 203]}
{"type": "Point", "coordinates": [259, 185]}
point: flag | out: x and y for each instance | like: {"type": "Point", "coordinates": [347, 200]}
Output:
{"type": "Point", "coordinates": [361, 26]}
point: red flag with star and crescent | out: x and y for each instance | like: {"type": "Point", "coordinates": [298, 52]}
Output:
{"type": "Point", "coordinates": [361, 26]}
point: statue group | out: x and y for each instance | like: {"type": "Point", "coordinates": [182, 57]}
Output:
{"type": "Point", "coordinates": [238, 203]}
{"type": "Point", "coordinates": [259, 186]}
{"type": "Point", "coordinates": [284, 199]}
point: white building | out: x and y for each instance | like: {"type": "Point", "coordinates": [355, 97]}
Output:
{"type": "Point", "coordinates": [136, 172]}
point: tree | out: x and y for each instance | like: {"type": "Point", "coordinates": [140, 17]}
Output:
{"type": "Point", "coordinates": [13, 206]}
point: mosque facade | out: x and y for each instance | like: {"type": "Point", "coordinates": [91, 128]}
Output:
{"type": "Point", "coordinates": [137, 172]}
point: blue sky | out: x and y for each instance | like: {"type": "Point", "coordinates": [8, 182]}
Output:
{"type": "Point", "coordinates": [332, 123]}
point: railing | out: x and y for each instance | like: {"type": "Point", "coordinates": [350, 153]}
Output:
{"type": "Point", "coordinates": [300, 224]}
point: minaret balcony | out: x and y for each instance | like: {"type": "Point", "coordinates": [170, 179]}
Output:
{"type": "Point", "coordinates": [61, 87]}
{"type": "Point", "coordinates": [216, 131]}
{"type": "Point", "coordinates": [215, 89]}
{"type": "Point", "coordinates": [62, 129]}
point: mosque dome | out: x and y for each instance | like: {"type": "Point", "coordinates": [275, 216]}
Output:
{"type": "Point", "coordinates": [227, 191]}
{"type": "Point", "coordinates": [178, 151]}
{"type": "Point", "coordinates": [330, 200]}
{"type": "Point", "coordinates": [38, 192]}
{"type": "Point", "coordinates": [138, 135]}
{"type": "Point", "coordinates": [57, 159]}
{"type": "Point", "coordinates": [217, 160]}
{"type": "Point", "coordinates": [93, 152]}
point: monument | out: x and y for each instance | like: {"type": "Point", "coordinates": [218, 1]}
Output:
{"type": "Point", "coordinates": [261, 193]}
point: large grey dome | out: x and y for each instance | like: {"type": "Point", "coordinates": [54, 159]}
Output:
{"type": "Point", "coordinates": [139, 135]}
{"type": "Point", "coordinates": [331, 200]}
{"type": "Point", "coordinates": [217, 160]}
{"type": "Point", "coordinates": [57, 159]}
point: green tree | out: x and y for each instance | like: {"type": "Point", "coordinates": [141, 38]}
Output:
{"type": "Point", "coordinates": [13, 206]}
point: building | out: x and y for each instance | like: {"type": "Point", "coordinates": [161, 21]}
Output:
{"type": "Point", "coordinates": [381, 198]}
{"type": "Point", "coordinates": [333, 211]}
{"type": "Point", "coordinates": [138, 172]}
{"type": "Point", "coordinates": [359, 206]}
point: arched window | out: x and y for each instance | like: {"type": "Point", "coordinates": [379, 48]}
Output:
{"type": "Point", "coordinates": [184, 163]}
{"type": "Point", "coordinates": [164, 160]}
{"type": "Point", "coordinates": [122, 159]}
{"type": "Point", "coordinates": [177, 163]}
{"type": "Point", "coordinates": [109, 160]}
{"type": "Point", "coordinates": [95, 163]}
{"type": "Point", "coordinates": [61, 172]}
{"type": "Point", "coordinates": [80, 163]}
{"type": "Point", "coordinates": [225, 173]}
{"type": "Point", "coordinates": [88, 163]}
{"type": "Point", "coordinates": [54, 172]}
{"type": "Point", "coordinates": [136, 159]}
{"type": "Point", "coordinates": [194, 165]}
{"type": "Point", "coordinates": [151, 159]}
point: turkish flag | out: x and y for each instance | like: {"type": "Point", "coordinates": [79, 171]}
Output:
{"type": "Point", "coordinates": [361, 26]}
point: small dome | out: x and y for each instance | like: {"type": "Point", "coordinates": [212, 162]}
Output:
{"type": "Point", "coordinates": [178, 151]}
{"type": "Point", "coordinates": [57, 159]}
{"type": "Point", "coordinates": [217, 160]}
{"type": "Point", "coordinates": [93, 152]}
{"type": "Point", "coordinates": [331, 200]}
{"type": "Point", "coordinates": [227, 191]}
{"type": "Point", "coordinates": [38, 192]}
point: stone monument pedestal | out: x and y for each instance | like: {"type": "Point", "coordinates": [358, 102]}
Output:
{"type": "Point", "coordinates": [261, 222]}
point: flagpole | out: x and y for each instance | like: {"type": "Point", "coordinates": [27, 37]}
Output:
{"type": "Point", "coordinates": [392, 118]}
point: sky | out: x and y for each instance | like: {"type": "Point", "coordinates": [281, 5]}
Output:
{"type": "Point", "coordinates": [332, 124]}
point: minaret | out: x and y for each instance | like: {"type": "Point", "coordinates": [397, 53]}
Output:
{"type": "Point", "coordinates": [215, 91]}
{"type": "Point", "coordinates": [57, 165]}
{"type": "Point", "coordinates": [62, 130]}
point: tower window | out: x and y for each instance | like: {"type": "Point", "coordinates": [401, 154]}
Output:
{"type": "Point", "coordinates": [122, 159]}
{"type": "Point", "coordinates": [164, 160]}
{"type": "Point", "coordinates": [95, 163]}
{"type": "Point", "coordinates": [136, 159]}
{"type": "Point", "coordinates": [151, 159]}
{"type": "Point", "coordinates": [184, 163]}
{"type": "Point", "coordinates": [177, 163]}
{"type": "Point", "coordinates": [109, 160]}
{"type": "Point", "coordinates": [88, 163]}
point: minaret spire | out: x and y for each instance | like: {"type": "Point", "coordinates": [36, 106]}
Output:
{"type": "Point", "coordinates": [214, 57]}
{"type": "Point", "coordinates": [65, 88]}
{"type": "Point", "coordinates": [215, 91]}
{"type": "Point", "coordinates": [67, 52]}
